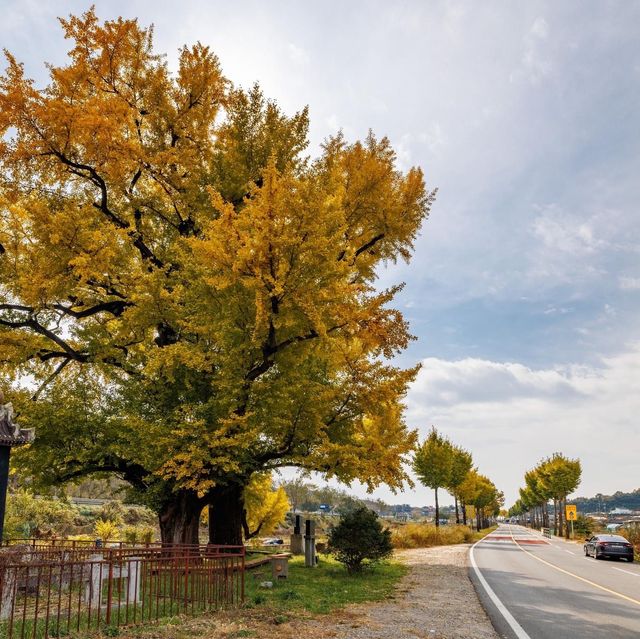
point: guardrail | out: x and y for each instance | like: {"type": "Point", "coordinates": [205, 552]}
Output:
{"type": "Point", "coordinates": [46, 593]}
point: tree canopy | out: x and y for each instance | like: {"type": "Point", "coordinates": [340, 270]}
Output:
{"type": "Point", "coordinates": [194, 298]}
{"type": "Point", "coordinates": [432, 463]}
{"type": "Point", "coordinates": [554, 478]}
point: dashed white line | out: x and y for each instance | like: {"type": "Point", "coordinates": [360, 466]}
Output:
{"type": "Point", "coordinates": [635, 574]}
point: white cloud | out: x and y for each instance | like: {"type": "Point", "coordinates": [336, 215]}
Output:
{"type": "Point", "coordinates": [297, 54]}
{"type": "Point", "coordinates": [566, 233]}
{"type": "Point", "coordinates": [540, 28]}
{"type": "Point", "coordinates": [510, 416]}
{"type": "Point", "coordinates": [629, 283]}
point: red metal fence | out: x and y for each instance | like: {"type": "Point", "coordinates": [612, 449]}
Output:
{"type": "Point", "coordinates": [55, 591]}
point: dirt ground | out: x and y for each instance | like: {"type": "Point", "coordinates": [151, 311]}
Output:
{"type": "Point", "coordinates": [435, 600]}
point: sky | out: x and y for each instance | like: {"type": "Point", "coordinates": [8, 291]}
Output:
{"type": "Point", "coordinates": [524, 288]}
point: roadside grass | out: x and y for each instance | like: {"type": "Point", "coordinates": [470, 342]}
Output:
{"type": "Point", "coordinates": [325, 588]}
{"type": "Point", "coordinates": [306, 592]}
{"type": "Point", "coordinates": [427, 535]}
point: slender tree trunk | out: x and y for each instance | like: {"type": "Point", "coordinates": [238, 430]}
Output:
{"type": "Point", "coordinates": [455, 497]}
{"type": "Point", "coordinates": [555, 515]}
{"type": "Point", "coordinates": [437, 511]}
{"type": "Point", "coordinates": [464, 513]}
{"type": "Point", "coordinates": [226, 507]}
{"type": "Point", "coordinates": [179, 518]}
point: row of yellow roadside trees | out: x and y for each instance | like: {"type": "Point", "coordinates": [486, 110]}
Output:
{"type": "Point", "coordinates": [439, 463]}
{"type": "Point", "coordinates": [551, 481]}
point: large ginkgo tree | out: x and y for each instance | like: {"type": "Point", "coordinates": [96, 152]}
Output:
{"type": "Point", "coordinates": [186, 299]}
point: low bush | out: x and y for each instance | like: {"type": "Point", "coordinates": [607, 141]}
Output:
{"type": "Point", "coordinates": [359, 537]}
{"type": "Point", "coordinates": [425, 535]}
{"type": "Point", "coordinates": [28, 516]}
{"type": "Point", "coordinates": [106, 530]}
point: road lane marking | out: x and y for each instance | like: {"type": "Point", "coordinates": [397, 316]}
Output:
{"type": "Point", "coordinates": [635, 574]}
{"type": "Point", "coordinates": [571, 574]}
{"type": "Point", "coordinates": [569, 551]}
{"type": "Point", "coordinates": [508, 617]}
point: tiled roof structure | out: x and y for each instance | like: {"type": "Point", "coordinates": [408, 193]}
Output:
{"type": "Point", "coordinates": [10, 433]}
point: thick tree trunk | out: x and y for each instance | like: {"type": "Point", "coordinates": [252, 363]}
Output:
{"type": "Point", "coordinates": [179, 518]}
{"type": "Point", "coordinates": [464, 513]}
{"type": "Point", "coordinates": [226, 510]}
{"type": "Point", "coordinates": [437, 511]}
{"type": "Point", "coordinates": [457, 511]}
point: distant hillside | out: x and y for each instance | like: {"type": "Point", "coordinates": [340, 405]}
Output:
{"type": "Point", "coordinates": [606, 503]}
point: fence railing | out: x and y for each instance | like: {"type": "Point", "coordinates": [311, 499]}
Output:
{"type": "Point", "coordinates": [54, 592]}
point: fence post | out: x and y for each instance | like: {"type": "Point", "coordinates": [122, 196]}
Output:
{"type": "Point", "coordinates": [8, 584]}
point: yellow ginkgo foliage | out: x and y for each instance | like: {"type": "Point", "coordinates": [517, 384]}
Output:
{"type": "Point", "coordinates": [194, 296]}
{"type": "Point", "coordinates": [265, 506]}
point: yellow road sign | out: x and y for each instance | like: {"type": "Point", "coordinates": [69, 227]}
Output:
{"type": "Point", "coordinates": [572, 513]}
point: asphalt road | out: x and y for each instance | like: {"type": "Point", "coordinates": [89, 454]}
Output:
{"type": "Point", "coordinates": [535, 588]}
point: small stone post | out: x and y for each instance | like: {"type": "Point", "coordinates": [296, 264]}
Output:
{"type": "Point", "coordinates": [310, 544]}
{"type": "Point", "coordinates": [93, 589]}
{"type": "Point", "coordinates": [297, 545]}
{"type": "Point", "coordinates": [8, 586]}
{"type": "Point", "coordinates": [133, 579]}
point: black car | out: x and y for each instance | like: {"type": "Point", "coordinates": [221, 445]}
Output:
{"type": "Point", "coordinates": [600, 546]}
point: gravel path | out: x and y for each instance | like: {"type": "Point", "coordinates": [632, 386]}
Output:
{"type": "Point", "coordinates": [436, 600]}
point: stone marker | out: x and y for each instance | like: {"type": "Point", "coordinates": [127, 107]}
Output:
{"type": "Point", "coordinates": [297, 544]}
{"type": "Point", "coordinates": [310, 544]}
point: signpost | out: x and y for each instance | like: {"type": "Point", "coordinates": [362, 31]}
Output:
{"type": "Point", "coordinates": [572, 515]}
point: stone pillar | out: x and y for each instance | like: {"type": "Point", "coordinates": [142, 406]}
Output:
{"type": "Point", "coordinates": [310, 544]}
{"type": "Point", "coordinates": [297, 545]}
{"type": "Point", "coordinates": [133, 580]}
{"type": "Point", "coordinates": [8, 585]}
{"type": "Point", "coordinates": [93, 590]}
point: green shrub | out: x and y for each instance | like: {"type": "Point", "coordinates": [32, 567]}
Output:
{"type": "Point", "coordinates": [112, 511]}
{"type": "Point", "coordinates": [27, 516]}
{"type": "Point", "coordinates": [359, 537]}
{"type": "Point", "coordinates": [584, 526]}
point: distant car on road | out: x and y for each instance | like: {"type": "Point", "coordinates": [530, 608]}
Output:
{"type": "Point", "coordinates": [600, 546]}
{"type": "Point", "coordinates": [272, 541]}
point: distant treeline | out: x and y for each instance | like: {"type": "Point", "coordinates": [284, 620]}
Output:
{"type": "Point", "coordinates": [607, 503]}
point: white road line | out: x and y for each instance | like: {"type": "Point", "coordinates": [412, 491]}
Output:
{"type": "Point", "coordinates": [635, 574]}
{"type": "Point", "coordinates": [571, 553]}
{"type": "Point", "coordinates": [508, 617]}
{"type": "Point", "coordinates": [587, 581]}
